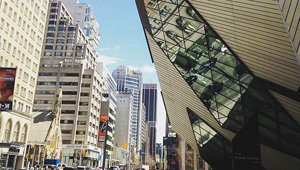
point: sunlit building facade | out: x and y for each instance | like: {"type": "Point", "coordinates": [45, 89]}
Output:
{"type": "Point", "coordinates": [69, 62]}
{"type": "Point", "coordinates": [22, 27]}
{"type": "Point", "coordinates": [229, 71]}
{"type": "Point", "coordinates": [131, 80]}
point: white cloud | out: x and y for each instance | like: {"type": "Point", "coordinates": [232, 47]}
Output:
{"type": "Point", "coordinates": [107, 60]}
{"type": "Point", "coordinates": [145, 68]}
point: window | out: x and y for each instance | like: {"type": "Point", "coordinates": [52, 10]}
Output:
{"type": "Point", "coordinates": [82, 113]}
{"type": "Point", "coordinates": [62, 23]}
{"type": "Point", "coordinates": [68, 83]}
{"type": "Point", "coordinates": [68, 112]}
{"type": "Point", "coordinates": [51, 28]}
{"type": "Point", "coordinates": [68, 102]}
{"type": "Point", "coordinates": [60, 41]}
{"type": "Point", "coordinates": [66, 121]}
{"type": "Point", "coordinates": [16, 132]}
{"type": "Point", "coordinates": [66, 141]}
{"type": "Point", "coordinates": [71, 35]}
{"type": "Point", "coordinates": [58, 53]}
{"type": "Point", "coordinates": [85, 85]}
{"type": "Point", "coordinates": [83, 103]}
{"type": "Point", "coordinates": [44, 92]}
{"type": "Point", "coordinates": [79, 47]}
{"type": "Point", "coordinates": [46, 83]}
{"type": "Point", "coordinates": [84, 94]}
{"type": "Point", "coordinates": [54, 5]}
{"type": "Point", "coordinates": [61, 34]}
{"type": "Point", "coordinates": [52, 22]}
{"type": "Point", "coordinates": [70, 41]}
{"type": "Point", "coordinates": [47, 74]}
{"type": "Point", "coordinates": [50, 34]}
{"type": "Point", "coordinates": [50, 41]}
{"type": "Point", "coordinates": [69, 47]}
{"type": "Point", "coordinates": [59, 47]}
{"type": "Point", "coordinates": [80, 132]}
{"type": "Point", "coordinates": [44, 102]}
{"type": "Point", "coordinates": [81, 122]}
{"type": "Point", "coordinates": [53, 16]}
{"type": "Point", "coordinates": [69, 92]}
{"type": "Point", "coordinates": [54, 10]}
{"type": "Point", "coordinates": [66, 131]}
{"type": "Point", "coordinates": [69, 74]}
{"type": "Point", "coordinates": [68, 54]}
{"type": "Point", "coordinates": [61, 28]}
{"type": "Point", "coordinates": [71, 29]}
{"type": "Point", "coordinates": [49, 47]}
{"type": "Point", "coordinates": [24, 134]}
{"type": "Point", "coordinates": [8, 130]}
{"type": "Point", "coordinates": [48, 53]}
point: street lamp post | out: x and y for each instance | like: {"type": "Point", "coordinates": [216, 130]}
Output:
{"type": "Point", "coordinates": [105, 140]}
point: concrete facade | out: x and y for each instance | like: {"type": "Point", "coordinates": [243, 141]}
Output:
{"type": "Point", "coordinates": [22, 27]}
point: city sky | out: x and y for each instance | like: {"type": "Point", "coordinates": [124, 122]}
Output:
{"type": "Point", "coordinates": [123, 43]}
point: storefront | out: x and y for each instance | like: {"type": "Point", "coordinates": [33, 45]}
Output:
{"type": "Point", "coordinates": [12, 155]}
{"type": "Point", "coordinates": [84, 155]}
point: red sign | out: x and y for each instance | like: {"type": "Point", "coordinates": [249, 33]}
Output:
{"type": "Point", "coordinates": [152, 86]}
{"type": "Point", "coordinates": [102, 127]}
{"type": "Point", "coordinates": [7, 83]}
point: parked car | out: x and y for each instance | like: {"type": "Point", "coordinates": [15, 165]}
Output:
{"type": "Point", "coordinates": [114, 168]}
{"type": "Point", "coordinates": [60, 166]}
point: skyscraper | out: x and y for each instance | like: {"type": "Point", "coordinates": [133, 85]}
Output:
{"type": "Point", "coordinates": [150, 102]}
{"type": "Point", "coordinates": [82, 14]}
{"type": "Point", "coordinates": [69, 62]}
{"type": "Point", "coordinates": [131, 80]}
{"type": "Point", "coordinates": [22, 27]}
{"type": "Point", "coordinates": [229, 71]}
{"type": "Point", "coordinates": [108, 107]}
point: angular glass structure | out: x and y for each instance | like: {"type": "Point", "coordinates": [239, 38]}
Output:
{"type": "Point", "coordinates": [213, 147]}
{"type": "Point", "coordinates": [227, 88]}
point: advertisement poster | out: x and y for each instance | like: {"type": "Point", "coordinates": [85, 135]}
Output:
{"type": "Point", "coordinates": [7, 83]}
{"type": "Point", "coordinates": [102, 127]}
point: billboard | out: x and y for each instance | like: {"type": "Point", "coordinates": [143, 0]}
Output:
{"type": "Point", "coordinates": [102, 127]}
{"type": "Point", "coordinates": [7, 83]}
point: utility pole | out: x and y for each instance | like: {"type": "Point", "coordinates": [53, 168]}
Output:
{"type": "Point", "coordinates": [104, 152]}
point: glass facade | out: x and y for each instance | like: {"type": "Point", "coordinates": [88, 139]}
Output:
{"type": "Point", "coordinates": [225, 86]}
{"type": "Point", "coordinates": [212, 145]}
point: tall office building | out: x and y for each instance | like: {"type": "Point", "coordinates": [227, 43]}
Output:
{"type": "Point", "coordinates": [22, 27]}
{"type": "Point", "coordinates": [150, 102]}
{"type": "Point", "coordinates": [108, 108]}
{"type": "Point", "coordinates": [84, 17]}
{"type": "Point", "coordinates": [230, 77]}
{"type": "Point", "coordinates": [69, 62]}
{"type": "Point", "coordinates": [130, 80]}
{"type": "Point", "coordinates": [123, 120]}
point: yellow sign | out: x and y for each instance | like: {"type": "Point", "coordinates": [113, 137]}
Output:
{"type": "Point", "coordinates": [83, 151]}
{"type": "Point", "coordinates": [124, 145]}
{"type": "Point", "coordinates": [52, 145]}
{"type": "Point", "coordinates": [31, 156]}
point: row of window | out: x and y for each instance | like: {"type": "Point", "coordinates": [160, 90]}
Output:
{"type": "Point", "coordinates": [14, 50]}
{"type": "Point", "coordinates": [51, 34]}
{"type": "Point", "coordinates": [16, 133]}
